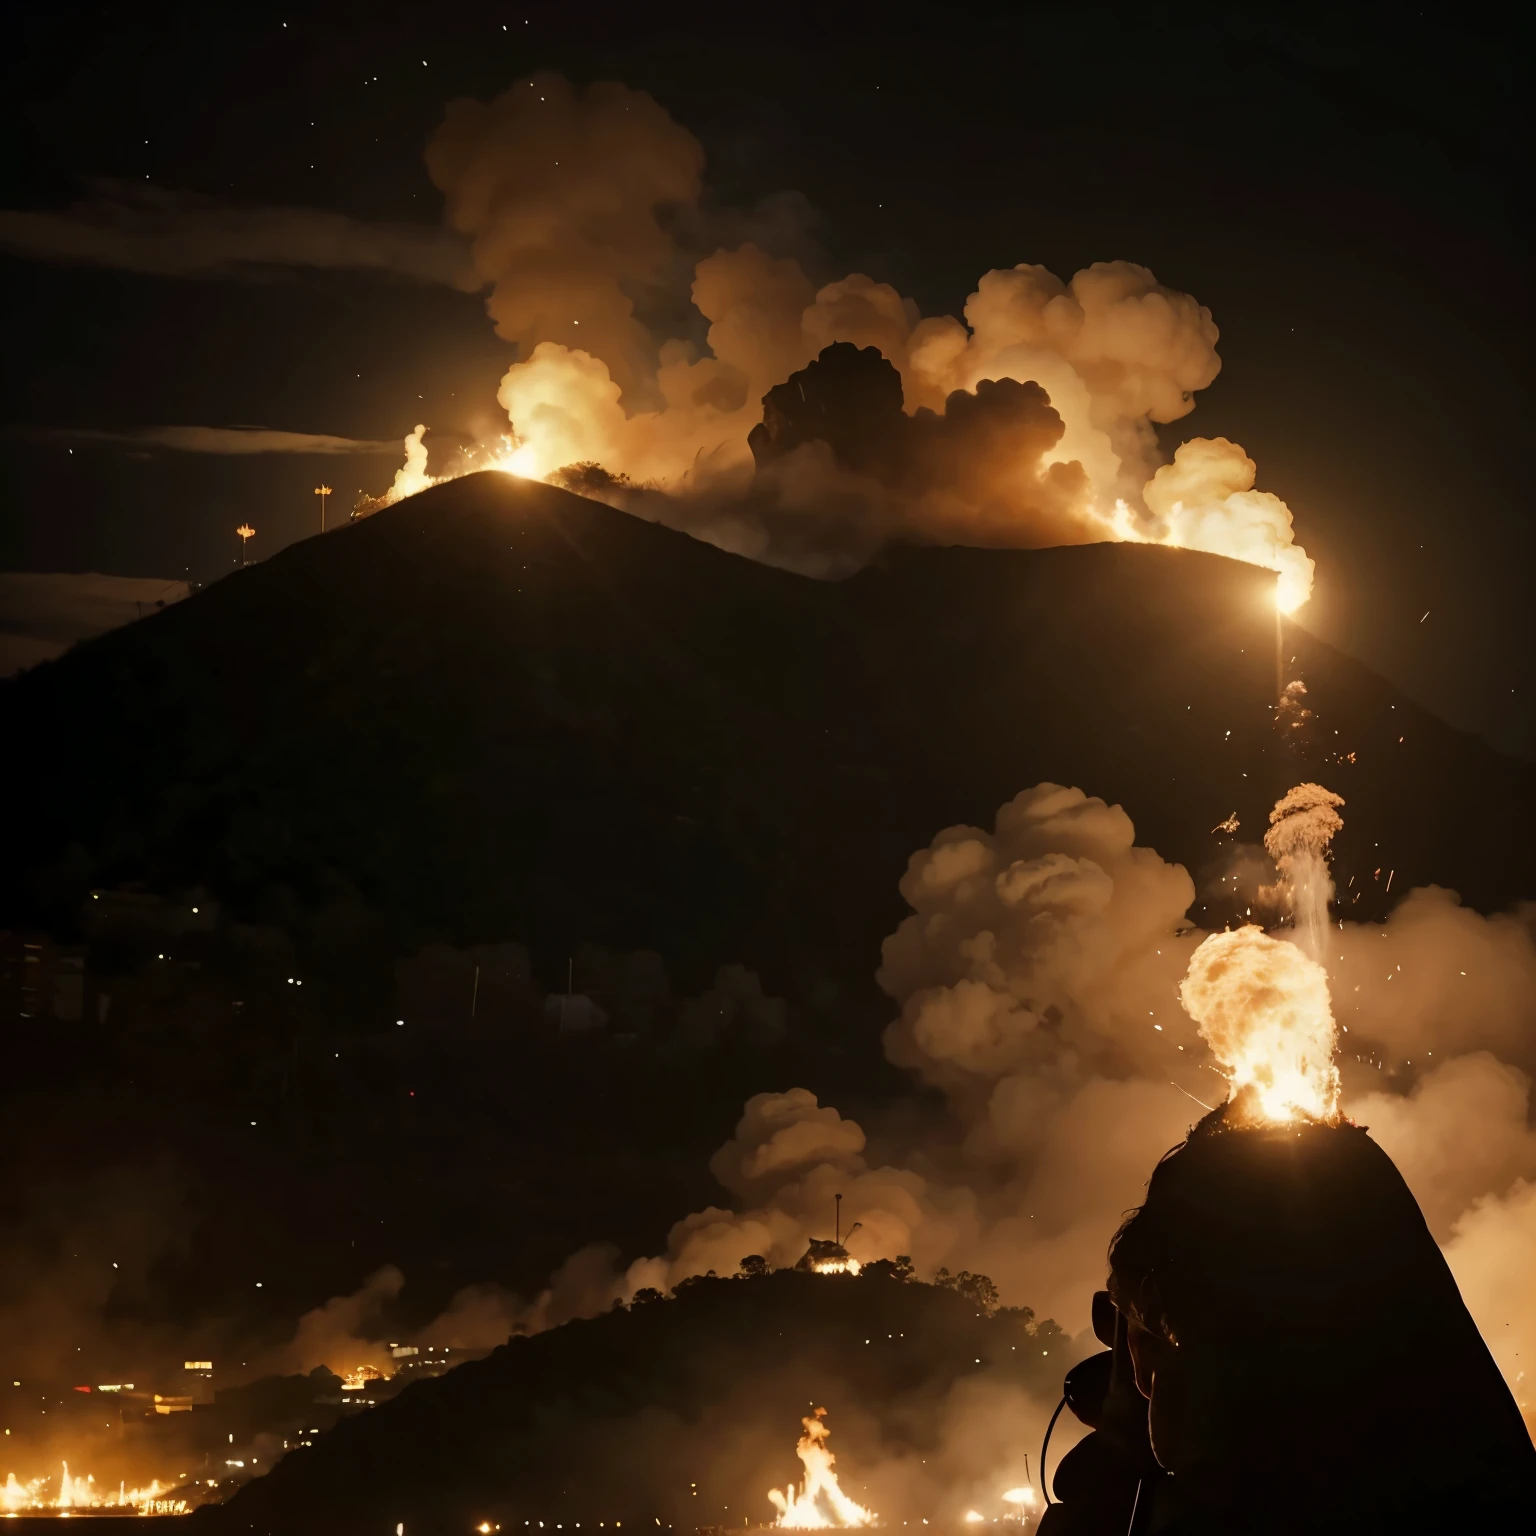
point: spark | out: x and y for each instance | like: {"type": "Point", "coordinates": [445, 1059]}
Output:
{"type": "Point", "coordinates": [1188, 1095]}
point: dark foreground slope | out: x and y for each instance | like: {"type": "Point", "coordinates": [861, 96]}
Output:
{"type": "Point", "coordinates": [498, 710]}
{"type": "Point", "coordinates": [681, 1412]}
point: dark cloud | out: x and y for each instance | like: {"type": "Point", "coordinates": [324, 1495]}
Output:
{"type": "Point", "coordinates": [977, 472]}
{"type": "Point", "coordinates": [183, 234]}
{"type": "Point", "coordinates": [235, 440]}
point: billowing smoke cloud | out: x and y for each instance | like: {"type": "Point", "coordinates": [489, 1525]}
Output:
{"type": "Point", "coordinates": [1459, 1133]}
{"type": "Point", "coordinates": [412, 476]}
{"type": "Point", "coordinates": [563, 196]}
{"type": "Point", "coordinates": [1036, 987]}
{"type": "Point", "coordinates": [979, 471]}
{"type": "Point", "coordinates": [1493, 1256]}
{"type": "Point", "coordinates": [1031, 421]}
{"type": "Point", "coordinates": [1037, 983]}
{"type": "Point", "coordinates": [180, 234]}
{"type": "Point", "coordinates": [353, 1330]}
{"type": "Point", "coordinates": [1205, 500]}
{"type": "Point", "coordinates": [1437, 978]}
{"type": "Point", "coordinates": [787, 1161]}
{"type": "Point", "coordinates": [341, 1333]}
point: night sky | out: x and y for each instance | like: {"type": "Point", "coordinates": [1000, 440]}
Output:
{"type": "Point", "coordinates": [1341, 196]}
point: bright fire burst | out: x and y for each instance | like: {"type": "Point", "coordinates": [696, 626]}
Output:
{"type": "Point", "coordinates": [820, 1504]}
{"type": "Point", "coordinates": [1263, 1008]}
{"type": "Point", "coordinates": [71, 1493]}
{"type": "Point", "coordinates": [837, 1267]}
{"type": "Point", "coordinates": [1262, 1003]}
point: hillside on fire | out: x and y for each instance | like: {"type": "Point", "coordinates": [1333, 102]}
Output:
{"type": "Point", "coordinates": [684, 1412]}
{"type": "Point", "coordinates": [500, 710]}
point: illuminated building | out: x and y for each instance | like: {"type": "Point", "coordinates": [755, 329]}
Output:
{"type": "Point", "coordinates": [413, 1361]}
{"type": "Point", "coordinates": [199, 1380]}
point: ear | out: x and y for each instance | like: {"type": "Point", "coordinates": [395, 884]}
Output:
{"type": "Point", "coordinates": [1149, 1351]}
{"type": "Point", "coordinates": [1104, 1319]}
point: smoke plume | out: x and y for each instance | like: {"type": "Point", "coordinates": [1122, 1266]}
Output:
{"type": "Point", "coordinates": [647, 350]}
{"type": "Point", "coordinates": [1037, 987]}
{"type": "Point", "coordinates": [563, 196]}
{"type": "Point", "coordinates": [1301, 826]}
{"type": "Point", "coordinates": [354, 1329]}
{"type": "Point", "coordinates": [1492, 1253]}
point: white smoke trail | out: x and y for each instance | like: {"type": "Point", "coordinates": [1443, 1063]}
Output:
{"type": "Point", "coordinates": [1301, 826]}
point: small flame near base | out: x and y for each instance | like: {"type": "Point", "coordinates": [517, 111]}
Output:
{"type": "Point", "coordinates": [820, 1504]}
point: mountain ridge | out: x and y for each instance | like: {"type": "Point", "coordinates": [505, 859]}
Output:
{"type": "Point", "coordinates": [500, 710]}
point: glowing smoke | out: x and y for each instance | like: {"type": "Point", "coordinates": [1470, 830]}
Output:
{"type": "Point", "coordinates": [562, 194]}
{"type": "Point", "coordinates": [411, 477]}
{"type": "Point", "coordinates": [1205, 500]}
{"type": "Point", "coordinates": [1037, 982]}
{"type": "Point", "coordinates": [1493, 1255]}
{"type": "Point", "coordinates": [648, 351]}
{"type": "Point", "coordinates": [1263, 1008]}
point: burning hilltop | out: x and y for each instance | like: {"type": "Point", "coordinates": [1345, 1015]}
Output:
{"type": "Point", "coordinates": [757, 405]}
{"type": "Point", "coordinates": [679, 1412]}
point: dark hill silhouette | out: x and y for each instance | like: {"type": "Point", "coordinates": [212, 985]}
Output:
{"type": "Point", "coordinates": [501, 710]}
{"type": "Point", "coordinates": [680, 1412]}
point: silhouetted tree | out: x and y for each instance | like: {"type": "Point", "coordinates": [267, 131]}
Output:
{"type": "Point", "coordinates": [753, 1264]}
{"type": "Point", "coordinates": [976, 1288]}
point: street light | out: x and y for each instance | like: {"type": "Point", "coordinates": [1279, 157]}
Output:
{"type": "Point", "coordinates": [246, 532]}
{"type": "Point", "coordinates": [322, 491]}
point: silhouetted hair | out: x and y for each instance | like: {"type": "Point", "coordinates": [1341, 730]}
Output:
{"type": "Point", "coordinates": [1337, 1351]}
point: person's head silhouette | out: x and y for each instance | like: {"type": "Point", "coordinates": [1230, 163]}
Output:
{"type": "Point", "coordinates": [1301, 1339]}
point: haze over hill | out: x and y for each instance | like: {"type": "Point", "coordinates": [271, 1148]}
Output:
{"type": "Point", "coordinates": [501, 710]}
{"type": "Point", "coordinates": [684, 1413]}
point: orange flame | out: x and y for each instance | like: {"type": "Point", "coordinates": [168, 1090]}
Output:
{"type": "Point", "coordinates": [837, 1267]}
{"type": "Point", "coordinates": [820, 1503]}
{"type": "Point", "coordinates": [74, 1492]}
{"type": "Point", "coordinates": [1263, 1008]}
